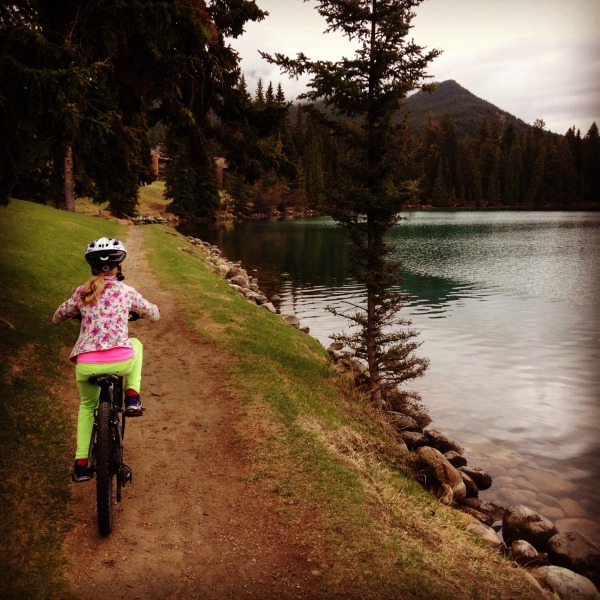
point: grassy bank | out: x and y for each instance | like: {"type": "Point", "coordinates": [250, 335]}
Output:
{"type": "Point", "coordinates": [40, 263]}
{"type": "Point", "coordinates": [340, 478]}
{"type": "Point", "coordinates": [337, 476]}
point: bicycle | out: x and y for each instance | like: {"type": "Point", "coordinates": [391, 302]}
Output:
{"type": "Point", "coordinates": [106, 453]}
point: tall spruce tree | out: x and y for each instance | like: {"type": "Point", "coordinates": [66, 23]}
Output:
{"type": "Point", "coordinates": [365, 93]}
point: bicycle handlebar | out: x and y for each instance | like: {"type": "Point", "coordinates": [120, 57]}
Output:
{"type": "Point", "coordinates": [133, 316]}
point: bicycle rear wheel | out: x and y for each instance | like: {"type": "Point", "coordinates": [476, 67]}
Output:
{"type": "Point", "coordinates": [104, 468]}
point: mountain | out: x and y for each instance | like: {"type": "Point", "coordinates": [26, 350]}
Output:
{"type": "Point", "coordinates": [464, 108]}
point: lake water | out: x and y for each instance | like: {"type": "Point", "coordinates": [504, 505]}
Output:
{"type": "Point", "coordinates": [508, 307]}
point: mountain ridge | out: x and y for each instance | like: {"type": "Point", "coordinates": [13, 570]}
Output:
{"type": "Point", "coordinates": [465, 109]}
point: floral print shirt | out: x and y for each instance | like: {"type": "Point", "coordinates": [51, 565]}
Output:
{"type": "Point", "coordinates": [104, 324]}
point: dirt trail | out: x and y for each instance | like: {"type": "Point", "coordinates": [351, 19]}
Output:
{"type": "Point", "coordinates": [192, 525]}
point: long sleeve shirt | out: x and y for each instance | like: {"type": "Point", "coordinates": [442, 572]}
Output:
{"type": "Point", "coordinates": [104, 323]}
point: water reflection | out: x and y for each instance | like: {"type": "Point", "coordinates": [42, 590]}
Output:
{"type": "Point", "coordinates": [507, 305]}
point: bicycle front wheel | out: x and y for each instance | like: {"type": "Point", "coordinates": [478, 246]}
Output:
{"type": "Point", "coordinates": [104, 469]}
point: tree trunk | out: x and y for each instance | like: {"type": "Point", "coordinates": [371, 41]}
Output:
{"type": "Point", "coordinates": [372, 328]}
{"type": "Point", "coordinates": [69, 182]}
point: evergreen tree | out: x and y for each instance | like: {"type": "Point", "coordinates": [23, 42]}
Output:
{"type": "Point", "coordinates": [365, 92]}
{"type": "Point", "coordinates": [449, 150]}
{"type": "Point", "coordinates": [439, 193]}
{"type": "Point", "coordinates": [191, 175]}
{"type": "Point", "coordinates": [314, 177]}
{"type": "Point", "coordinates": [430, 158]}
{"type": "Point", "coordinates": [260, 95]}
{"type": "Point", "coordinates": [107, 72]}
{"type": "Point", "coordinates": [535, 188]}
{"type": "Point", "coordinates": [242, 88]}
{"type": "Point", "coordinates": [280, 96]}
{"type": "Point", "coordinates": [591, 164]}
{"type": "Point", "coordinates": [270, 95]}
{"type": "Point", "coordinates": [512, 176]}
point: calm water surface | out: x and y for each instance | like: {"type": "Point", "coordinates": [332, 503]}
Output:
{"type": "Point", "coordinates": [508, 308]}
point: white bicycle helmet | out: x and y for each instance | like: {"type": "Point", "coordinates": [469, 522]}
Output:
{"type": "Point", "coordinates": [105, 254]}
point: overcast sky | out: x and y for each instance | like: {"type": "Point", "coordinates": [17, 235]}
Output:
{"type": "Point", "coordinates": [536, 59]}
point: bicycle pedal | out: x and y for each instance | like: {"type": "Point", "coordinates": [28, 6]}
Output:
{"type": "Point", "coordinates": [127, 475]}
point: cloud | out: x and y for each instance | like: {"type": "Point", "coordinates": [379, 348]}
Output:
{"type": "Point", "coordinates": [532, 58]}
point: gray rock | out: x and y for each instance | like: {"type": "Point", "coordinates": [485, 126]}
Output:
{"type": "Point", "coordinates": [419, 415]}
{"type": "Point", "coordinates": [335, 347]}
{"type": "Point", "coordinates": [435, 470]}
{"type": "Point", "coordinates": [338, 351]}
{"type": "Point", "coordinates": [574, 551]}
{"type": "Point", "coordinates": [567, 584]}
{"type": "Point", "coordinates": [522, 523]}
{"type": "Point", "coordinates": [270, 307]}
{"type": "Point", "coordinates": [482, 479]}
{"type": "Point", "coordinates": [542, 593]}
{"type": "Point", "coordinates": [494, 511]}
{"type": "Point", "coordinates": [526, 555]}
{"type": "Point", "coordinates": [405, 404]}
{"type": "Point", "coordinates": [239, 279]}
{"type": "Point", "coordinates": [456, 460]}
{"type": "Point", "coordinates": [445, 494]}
{"type": "Point", "coordinates": [256, 297]}
{"type": "Point", "coordinates": [236, 270]}
{"type": "Point", "coordinates": [403, 422]}
{"type": "Point", "coordinates": [292, 320]}
{"type": "Point", "coordinates": [442, 442]}
{"type": "Point", "coordinates": [486, 534]}
{"type": "Point", "coordinates": [414, 439]}
{"type": "Point", "coordinates": [485, 519]}
{"type": "Point", "coordinates": [472, 489]}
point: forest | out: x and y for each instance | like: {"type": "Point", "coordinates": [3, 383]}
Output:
{"type": "Point", "coordinates": [480, 158]}
{"type": "Point", "coordinates": [88, 90]}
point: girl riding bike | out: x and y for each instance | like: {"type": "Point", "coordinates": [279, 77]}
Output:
{"type": "Point", "coordinates": [103, 304]}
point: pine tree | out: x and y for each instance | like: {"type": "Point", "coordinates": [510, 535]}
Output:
{"type": "Point", "coordinates": [270, 95]}
{"type": "Point", "coordinates": [259, 100]}
{"type": "Point", "coordinates": [591, 164]}
{"type": "Point", "coordinates": [314, 177]}
{"type": "Point", "coordinates": [280, 96]}
{"type": "Point", "coordinates": [96, 76]}
{"type": "Point", "coordinates": [439, 193]}
{"type": "Point", "coordinates": [365, 92]}
{"type": "Point", "coordinates": [513, 173]}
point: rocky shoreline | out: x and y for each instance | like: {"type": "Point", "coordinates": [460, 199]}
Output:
{"type": "Point", "coordinates": [565, 565]}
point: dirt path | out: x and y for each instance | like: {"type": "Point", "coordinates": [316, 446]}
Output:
{"type": "Point", "coordinates": [192, 525]}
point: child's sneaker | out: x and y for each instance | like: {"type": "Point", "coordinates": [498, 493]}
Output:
{"type": "Point", "coordinates": [81, 472]}
{"type": "Point", "coordinates": [134, 406]}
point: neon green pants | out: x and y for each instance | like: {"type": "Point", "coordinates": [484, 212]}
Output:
{"type": "Point", "coordinates": [89, 393]}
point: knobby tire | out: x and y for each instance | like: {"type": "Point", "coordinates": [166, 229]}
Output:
{"type": "Point", "coordinates": [104, 470]}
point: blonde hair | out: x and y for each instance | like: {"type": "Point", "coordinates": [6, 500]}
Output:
{"type": "Point", "coordinates": [93, 287]}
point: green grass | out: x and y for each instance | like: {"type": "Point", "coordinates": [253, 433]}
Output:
{"type": "Point", "coordinates": [339, 480]}
{"type": "Point", "coordinates": [41, 253]}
